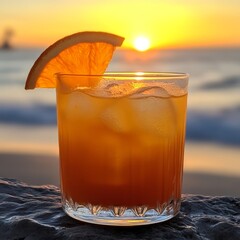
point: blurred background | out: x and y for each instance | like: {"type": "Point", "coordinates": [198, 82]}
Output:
{"type": "Point", "coordinates": [198, 37]}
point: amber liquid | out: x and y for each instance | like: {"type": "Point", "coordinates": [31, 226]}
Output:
{"type": "Point", "coordinates": [121, 151]}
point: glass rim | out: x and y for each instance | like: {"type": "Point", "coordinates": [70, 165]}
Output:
{"type": "Point", "coordinates": [131, 75]}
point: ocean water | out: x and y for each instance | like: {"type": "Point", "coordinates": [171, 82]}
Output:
{"type": "Point", "coordinates": [29, 117]}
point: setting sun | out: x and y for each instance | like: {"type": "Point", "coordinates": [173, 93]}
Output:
{"type": "Point", "coordinates": [141, 44]}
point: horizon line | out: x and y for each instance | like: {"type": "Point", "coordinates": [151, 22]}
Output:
{"type": "Point", "coordinates": [212, 47]}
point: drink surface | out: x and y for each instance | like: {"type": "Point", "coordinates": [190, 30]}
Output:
{"type": "Point", "coordinates": [121, 151]}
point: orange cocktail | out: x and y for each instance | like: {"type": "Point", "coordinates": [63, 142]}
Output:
{"type": "Point", "coordinates": [121, 146]}
{"type": "Point", "coordinates": [121, 135]}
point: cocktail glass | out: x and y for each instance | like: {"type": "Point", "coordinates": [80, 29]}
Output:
{"type": "Point", "coordinates": [121, 144]}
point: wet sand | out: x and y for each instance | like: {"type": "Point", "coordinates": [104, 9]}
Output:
{"type": "Point", "coordinates": [39, 169]}
{"type": "Point", "coordinates": [30, 168]}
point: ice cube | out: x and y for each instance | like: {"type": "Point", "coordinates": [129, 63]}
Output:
{"type": "Point", "coordinates": [118, 116]}
{"type": "Point", "coordinates": [155, 115]}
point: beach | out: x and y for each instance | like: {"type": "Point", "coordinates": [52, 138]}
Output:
{"type": "Point", "coordinates": [204, 172]}
{"type": "Point", "coordinates": [28, 126]}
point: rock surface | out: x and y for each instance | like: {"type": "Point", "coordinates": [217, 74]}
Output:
{"type": "Point", "coordinates": [34, 212]}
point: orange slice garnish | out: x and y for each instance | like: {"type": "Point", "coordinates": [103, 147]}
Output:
{"type": "Point", "coordinates": [83, 53]}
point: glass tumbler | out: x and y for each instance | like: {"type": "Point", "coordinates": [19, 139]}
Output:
{"type": "Point", "coordinates": [121, 146]}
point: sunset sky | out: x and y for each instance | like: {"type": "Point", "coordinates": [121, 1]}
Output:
{"type": "Point", "coordinates": [172, 23]}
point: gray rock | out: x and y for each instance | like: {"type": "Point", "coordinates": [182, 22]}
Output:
{"type": "Point", "coordinates": [34, 212]}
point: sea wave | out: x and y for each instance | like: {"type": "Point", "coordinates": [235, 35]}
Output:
{"type": "Point", "coordinates": [221, 126]}
{"type": "Point", "coordinates": [37, 114]}
{"type": "Point", "coordinates": [226, 83]}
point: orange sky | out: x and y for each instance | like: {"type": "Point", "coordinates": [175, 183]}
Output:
{"type": "Point", "coordinates": [172, 23]}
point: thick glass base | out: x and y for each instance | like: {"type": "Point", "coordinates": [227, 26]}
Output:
{"type": "Point", "coordinates": [120, 215]}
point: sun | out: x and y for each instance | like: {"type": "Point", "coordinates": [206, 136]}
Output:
{"type": "Point", "coordinates": [141, 44]}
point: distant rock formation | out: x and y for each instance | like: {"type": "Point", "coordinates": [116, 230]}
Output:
{"type": "Point", "coordinates": [34, 212]}
{"type": "Point", "coordinates": [6, 39]}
